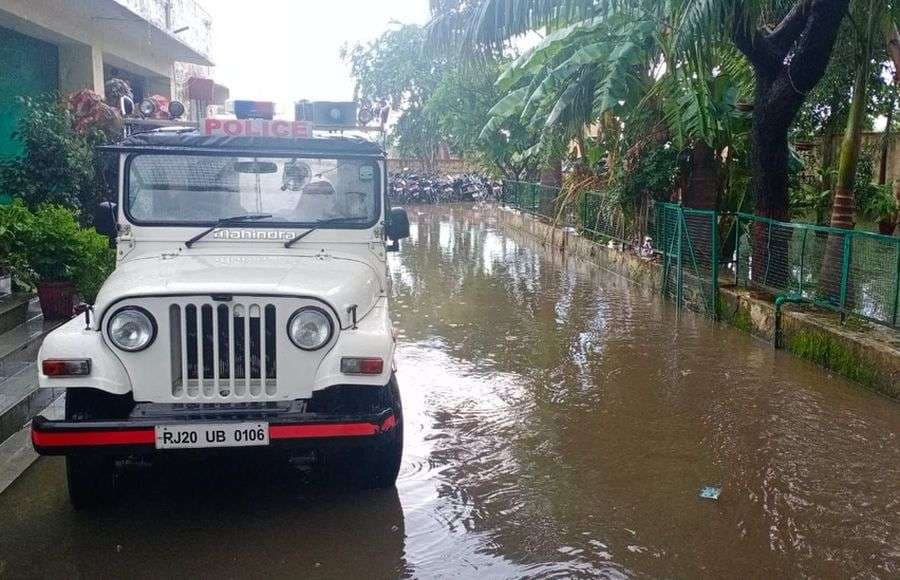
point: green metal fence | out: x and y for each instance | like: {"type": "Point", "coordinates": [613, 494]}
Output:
{"type": "Point", "coordinates": [850, 271]}
{"type": "Point", "coordinates": [688, 243]}
{"type": "Point", "coordinates": [536, 199]}
{"type": "Point", "coordinates": [686, 240]}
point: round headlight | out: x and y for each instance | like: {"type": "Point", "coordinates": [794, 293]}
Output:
{"type": "Point", "coordinates": [176, 109]}
{"type": "Point", "coordinates": [131, 329]}
{"type": "Point", "coordinates": [147, 107]}
{"type": "Point", "coordinates": [310, 328]}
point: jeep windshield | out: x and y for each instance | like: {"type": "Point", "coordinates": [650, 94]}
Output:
{"type": "Point", "coordinates": [200, 190]}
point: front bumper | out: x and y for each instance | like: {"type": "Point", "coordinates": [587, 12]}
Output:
{"type": "Point", "coordinates": [289, 426]}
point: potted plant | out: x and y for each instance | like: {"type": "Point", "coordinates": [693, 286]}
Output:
{"type": "Point", "coordinates": [882, 206]}
{"type": "Point", "coordinates": [56, 255]}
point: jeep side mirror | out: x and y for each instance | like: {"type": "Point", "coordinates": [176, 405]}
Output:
{"type": "Point", "coordinates": [105, 219]}
{"type": "Point", "coordinates": [397, 227]}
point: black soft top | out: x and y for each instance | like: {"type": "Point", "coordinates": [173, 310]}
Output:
{"type": "Point", "coordinates": [193, 141]}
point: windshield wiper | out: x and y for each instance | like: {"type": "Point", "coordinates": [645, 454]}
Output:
{"type": "Point", "coordinates": [226, 222]}
{"type": "Point", "coordinates": [322, 223]}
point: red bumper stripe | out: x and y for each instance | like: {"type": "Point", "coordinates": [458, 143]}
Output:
{"type": "Point", "coordinates": [148, 436]}
{"type": "Point", "coordinates": [330, 430]}
{"type": "Point", "coordinates": [310, 431]}
{"type": "Point", "coordinates": [92, 438]}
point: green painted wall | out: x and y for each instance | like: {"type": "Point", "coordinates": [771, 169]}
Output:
{"type": "Point", "coordinates": [28, 66]}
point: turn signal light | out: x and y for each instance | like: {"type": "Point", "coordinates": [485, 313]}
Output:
{"type": "Point", "coordinates": [362, 366]}
{"type": "Point", "coordinates": [72, 367]}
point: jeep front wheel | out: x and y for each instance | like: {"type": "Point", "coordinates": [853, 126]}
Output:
{"type": "Point", "coordinates": [375, 465]}
{"type": "Point", "coordinates": [91, 479]}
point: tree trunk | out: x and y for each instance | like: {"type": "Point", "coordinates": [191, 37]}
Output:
{"type": "Point", "coordinates": [843, 206]}
{"type": "Point", "coordinates": [886, 141]}
{"type": "Point", "coordinates": [788, 62]}
{"type": "Point", "coordinates": [769, 165]}
{"type": "Point", "coordinates": [844, 203]}
{"type": "Point", "coordinates": [702, 187]}
{"type": "Point", "coordinates": [701, 192]}
{"type": "Point", "coordinates": [551, 173]}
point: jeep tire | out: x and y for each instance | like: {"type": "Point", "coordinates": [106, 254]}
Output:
{"type": "Point", "coordinates": [91, 479]}
{"type": "Point", "coordinates": [376, 465]}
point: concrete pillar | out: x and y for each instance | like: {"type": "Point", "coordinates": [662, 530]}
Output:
{"type": "Point", "coordinates": [80, 67]}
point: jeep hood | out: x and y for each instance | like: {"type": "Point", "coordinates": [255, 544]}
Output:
{"type": "Point", "coordinates": [338, 281]}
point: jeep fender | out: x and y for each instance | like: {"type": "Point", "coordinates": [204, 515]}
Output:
{"type": "Point", "coordinates": [372, 337]}
{"type": "Point", "coordinates": [73, 340]}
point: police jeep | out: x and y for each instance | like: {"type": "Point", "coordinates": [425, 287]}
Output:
{"type": "Point", "coordinates": [248, 309]}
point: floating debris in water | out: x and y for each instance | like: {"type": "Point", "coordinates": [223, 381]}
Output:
{"type": "Point", "coordinates": [710, 492]}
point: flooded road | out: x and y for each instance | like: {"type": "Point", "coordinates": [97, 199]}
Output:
{"type": "Point", "coordinates": [559, 423]}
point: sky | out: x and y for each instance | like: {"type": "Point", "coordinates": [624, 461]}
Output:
{"type": "Point", "coordinates": [287, 50]}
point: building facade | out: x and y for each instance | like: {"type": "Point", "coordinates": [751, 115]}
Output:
{"type": "Point", "coordinates": [50, 46]}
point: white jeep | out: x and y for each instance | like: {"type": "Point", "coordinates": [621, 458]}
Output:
{"type": "Point", "coordinates": [248, 308]}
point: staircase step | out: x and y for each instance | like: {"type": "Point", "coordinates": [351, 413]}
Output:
{"type": "Point", "coordinates": [24, 339]}
{"type": "Point", "coordinates": [21, 399]}
{"type": "Point", "coordinates": [16, 452]}
{"type": "Point", "coordinates": [14, 310]}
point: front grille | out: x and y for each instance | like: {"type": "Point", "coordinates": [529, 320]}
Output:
{"type": "Point", "coordinates": [223, 350]}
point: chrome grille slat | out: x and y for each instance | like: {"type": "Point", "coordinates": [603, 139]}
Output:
{"type": "Point", "coordinates": [214, 318]}
{"type": "Point", "coordinates": [198, 319]}
{"type": "Point", "coordinates": [246, 340]}
{"type": "Point", "coordinates": [185, 379]}
{"type": "Point", "coordinates": [232, 346]}
{"type": "Point", "coordinates": [234, 360]}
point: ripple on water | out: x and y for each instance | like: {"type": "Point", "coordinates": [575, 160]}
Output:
{"type": "Point", "coordinates": [561, 421]}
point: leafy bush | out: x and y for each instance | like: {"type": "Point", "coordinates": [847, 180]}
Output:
{"type": "Point", "coordinates": [58, 163]}
{"type": "Point", "coordinates": [652, 175]}
{"type": "Point", "coordinates": [49, 245]}
{"type": "Point", "coordinates": [15, 222]}
{"type": "Point", "coordinates": [880, 202]}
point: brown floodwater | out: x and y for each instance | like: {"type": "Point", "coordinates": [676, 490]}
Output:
{"type": "Point", "coordinates": [560, 422]}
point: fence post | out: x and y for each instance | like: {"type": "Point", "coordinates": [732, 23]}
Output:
{"type": "Point", "coordinates": [802, 255]}
{"type": "Point", "coordinates": [896, 286]}
{"type": "Point", "coordinates": [715, 265]}
{"type": "Point", "coordinates": [679, 275]}
{"type": "Point", "coordinates": [845, 273]}
{"type": "Point", "coordinates": [584, 198]}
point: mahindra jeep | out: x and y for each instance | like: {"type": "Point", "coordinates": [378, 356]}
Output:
{"type": "Point", "coordinates": [248, 309]}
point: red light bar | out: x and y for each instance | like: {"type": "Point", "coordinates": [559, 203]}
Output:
{"type": "Point", "coordinates": [73, 367]}
{"type": "Point", "coordinates": [362, 366]}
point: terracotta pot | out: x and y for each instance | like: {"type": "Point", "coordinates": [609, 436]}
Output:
{"type": "Point", "coordinates": [886, 227]}
{"type": "Point", "coordinates": [57, 299]}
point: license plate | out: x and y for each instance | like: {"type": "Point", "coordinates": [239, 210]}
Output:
{"type": "Point", "coordinates": [211, 435]}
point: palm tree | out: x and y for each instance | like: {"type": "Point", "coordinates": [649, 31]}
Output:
{"type": "Point", "coordinates": [870, 18]}
{"type": "Point", "coordinates": [786, 42]}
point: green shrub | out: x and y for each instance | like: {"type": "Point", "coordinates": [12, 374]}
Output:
{"type": "Point", "coordinates": [49, 245]}
{"type": "Point", "coordinates": [15, 224]}
{"type": "Point", "coordinates": [57, 164]}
